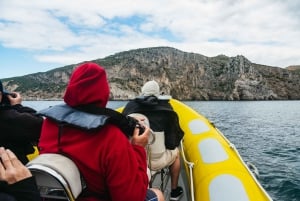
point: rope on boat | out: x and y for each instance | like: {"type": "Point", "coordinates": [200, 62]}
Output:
{"type": "Point", "coordinates": [190, 165]}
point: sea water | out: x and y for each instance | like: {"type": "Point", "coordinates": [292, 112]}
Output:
{"type": "Point", "coordinates": [266, 133]}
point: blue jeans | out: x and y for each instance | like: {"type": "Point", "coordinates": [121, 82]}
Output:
{"type": "Point", "coordinates": [151, 196]}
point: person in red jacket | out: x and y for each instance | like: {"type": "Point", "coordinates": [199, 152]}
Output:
{"type": "Point", "coordinates": [110, 158]}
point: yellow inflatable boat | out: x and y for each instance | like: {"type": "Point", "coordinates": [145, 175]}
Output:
{"type": "Point", "coordinates": [213, 169]}
{"type": "Point", "coordinates": [213, 165]}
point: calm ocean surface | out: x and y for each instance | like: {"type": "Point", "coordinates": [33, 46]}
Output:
{"type": "Point", "coordinates": [266, 133]}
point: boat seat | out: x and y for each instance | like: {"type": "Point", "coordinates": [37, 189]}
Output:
{"type": "Point", "coordinates": [57, 177]}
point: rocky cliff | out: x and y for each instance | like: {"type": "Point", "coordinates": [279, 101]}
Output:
{"type": "Point", "coordinates": [185, 76]}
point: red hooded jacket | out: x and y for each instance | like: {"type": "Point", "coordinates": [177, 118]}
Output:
{"type": "Point", "coordinates": [113, 168]}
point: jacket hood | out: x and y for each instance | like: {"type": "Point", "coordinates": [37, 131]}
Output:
{"type": "Point", "coordinates": [88, 85]}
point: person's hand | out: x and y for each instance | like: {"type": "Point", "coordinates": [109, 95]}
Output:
{"type": "Point", "coordinates": [11, 169]}
{"type": "Point", "coordinates": [14, 98]}
{"type": "Point", "coordinates": [141, 140]}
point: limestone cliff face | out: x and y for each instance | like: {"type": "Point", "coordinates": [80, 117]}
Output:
{"type": "Point", "coordinates": [185, 76]}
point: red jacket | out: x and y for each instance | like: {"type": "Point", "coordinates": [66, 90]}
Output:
{"type": "Point", "coordinates": [113, 168]}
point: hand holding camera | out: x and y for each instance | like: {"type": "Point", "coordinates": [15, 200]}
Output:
{"type": "Point", "coordinates": [14, 98]}
{"type": "Point", "coordinates": [141, 130]}
{"type": "Point", "coordinates": [141, 139]}
{"type": "Point", "coordinates": [141, 134]}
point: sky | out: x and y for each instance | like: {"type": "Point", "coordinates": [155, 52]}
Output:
{"type": "Point", "coordinates": [40, 35]}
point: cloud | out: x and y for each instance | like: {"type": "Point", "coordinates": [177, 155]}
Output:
{"type": "Point", "coordinates": [67, 31]}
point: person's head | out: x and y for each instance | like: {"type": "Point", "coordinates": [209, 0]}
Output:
{"type": "Point", "coordinates": [150, 88]}
{"type": "Point", "coordinates": [88, 85]}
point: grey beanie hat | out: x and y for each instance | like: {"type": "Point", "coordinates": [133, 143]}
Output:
{"type": "Point", "coordinates": [150, 88]}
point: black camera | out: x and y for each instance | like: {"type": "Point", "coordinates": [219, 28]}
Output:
{"type": "Point", "coordinates": [140, 127]}
{"type": "Point", "coordinates": [12, 95]}
{"type": "Point", "coordinates": [134, 123]}
{"type": "Point", "coordinates": [5, 100]}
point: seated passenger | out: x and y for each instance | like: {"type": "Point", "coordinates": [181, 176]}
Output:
{"type": "Point", "coordinates": [110, 157]}
{"type": "Point", "coordinates": [164, 122]}
{"type": "Point", "coordinates": [19, 125]}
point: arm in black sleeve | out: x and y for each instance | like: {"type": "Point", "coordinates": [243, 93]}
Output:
{"type": "Point", "coordinates": [22, 109]}
{"type": "Point", "coordinates": [19, 122]}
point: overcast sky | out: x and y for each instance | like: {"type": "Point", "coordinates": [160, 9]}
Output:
{"type": "Point", "coordinates": [39, 35]}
